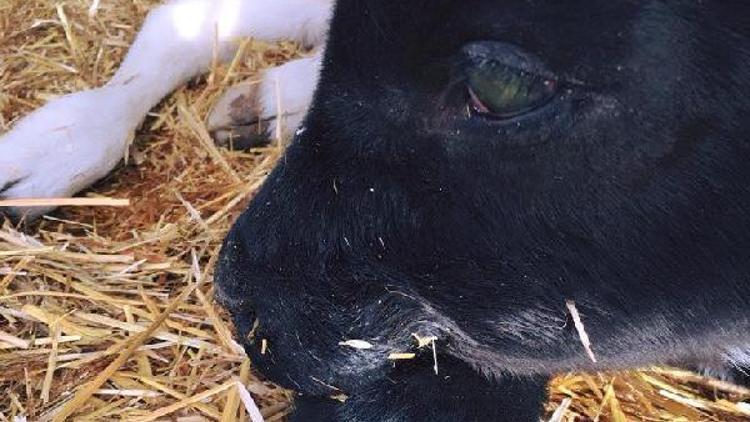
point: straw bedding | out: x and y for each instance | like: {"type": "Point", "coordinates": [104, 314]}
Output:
{"type": "Point", "coordinates": [107, 313]}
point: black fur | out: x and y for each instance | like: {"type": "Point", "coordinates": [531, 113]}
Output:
{"type": "Point", "coordinates": [395, 212]}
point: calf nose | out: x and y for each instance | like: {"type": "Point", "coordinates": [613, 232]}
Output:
{"type": "Point", "coordinates": [232, 285]}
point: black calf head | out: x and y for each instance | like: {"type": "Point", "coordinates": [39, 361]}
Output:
{"type": "Point", "coordinates": [467, 166]}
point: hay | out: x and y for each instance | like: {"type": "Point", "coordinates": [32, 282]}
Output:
{"type": "Point", "coordinates": [107, 313]}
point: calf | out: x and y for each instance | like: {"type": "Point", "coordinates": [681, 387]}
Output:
{"type": "Point", "coordinates": [473, 180]}
{"type": "Point", "coordinates": [478, 186]}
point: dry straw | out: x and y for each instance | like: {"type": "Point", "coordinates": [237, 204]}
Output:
{"type": "Point", "coordinates": [106, 313]}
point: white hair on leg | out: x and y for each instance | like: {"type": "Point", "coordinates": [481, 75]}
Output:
{"type": "Point", "coordinates": [73, 141]}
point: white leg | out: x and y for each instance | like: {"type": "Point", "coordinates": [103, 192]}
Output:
{"type": "Point", "coordinates": [75, 140]}
{"type": "Point", "coordinates": [177, 39]}
{"type": "Point", "coordinates": [249, 112]}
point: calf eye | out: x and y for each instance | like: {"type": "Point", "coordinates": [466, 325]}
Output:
{"type": "Point", "coordinates": [505, 82]}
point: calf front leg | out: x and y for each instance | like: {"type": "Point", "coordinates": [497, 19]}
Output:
{"type": "Point", "coordinates": [77, 139]}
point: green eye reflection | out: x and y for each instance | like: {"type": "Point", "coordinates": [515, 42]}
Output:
{"type": "Point", "coordinates": [504, 91]}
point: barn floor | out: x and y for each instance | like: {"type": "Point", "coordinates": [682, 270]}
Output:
{"type": "Point", "coordinates": [107, 313]}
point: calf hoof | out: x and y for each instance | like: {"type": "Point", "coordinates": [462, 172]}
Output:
{"type": "Point", "coordinates": [236, 120]}
{"type": "Point", "coordinates": [252, 114]}
{"type": "Point", "coordinates": [60, 149]}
